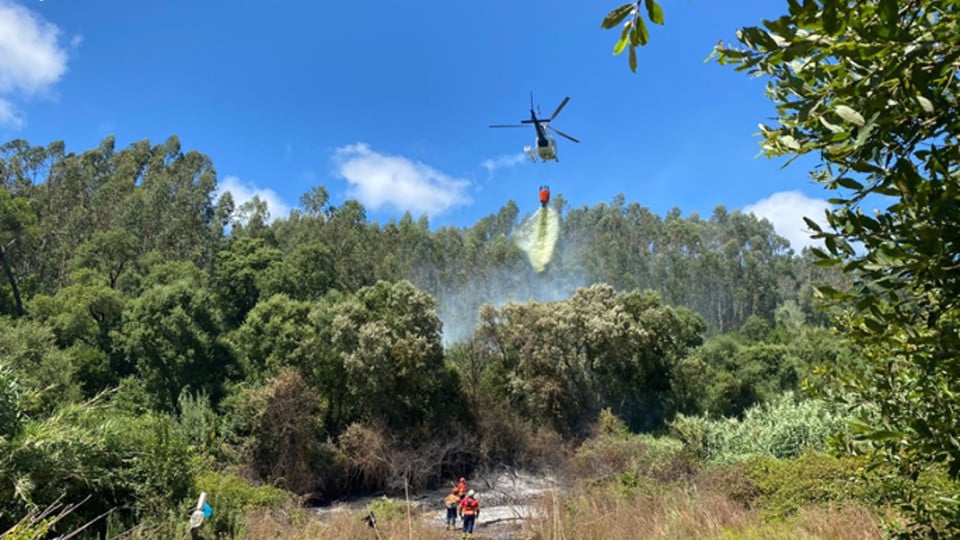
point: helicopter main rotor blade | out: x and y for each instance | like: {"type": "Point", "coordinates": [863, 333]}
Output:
{"type": "Point", "coordinates": [559, 107]}
{"type": "Point", "coordinates": [562, 134]}
{"type": "Point", "coordinates": [507, 125]}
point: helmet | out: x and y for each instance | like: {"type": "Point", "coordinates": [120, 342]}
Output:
{"type": "Point", "coordinates": [471, 493]}
{"type": "Point", "coordinates": [462, 479]}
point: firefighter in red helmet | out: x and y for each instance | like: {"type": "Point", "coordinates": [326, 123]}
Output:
{"type": "Point", "coordinates": [461, 488]}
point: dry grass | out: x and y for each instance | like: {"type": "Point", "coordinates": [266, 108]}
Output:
{"type": "Point", "coordinates": [851, 522]}
{"type": "Point", "coordinates": [684, 514]}
{"type": "Point", "coordinates": [342, 526]}
{"type": "Point", "coordinates": [588, 514]}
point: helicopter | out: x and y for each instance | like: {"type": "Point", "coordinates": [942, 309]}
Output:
{"type": "Point", "coordinates": [546, 145]}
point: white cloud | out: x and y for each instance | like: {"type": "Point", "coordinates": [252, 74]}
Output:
{"type": "Point", "coordinates": [786, 210]}
{"type": "Point", "coordinates": [31, 59]}
{"type": "Point", "coordinates": [378, 180]}
{"type": "Point", "coordinates": [504, 162]}
{"type": "Point", "coordinates": [9, 116]}
{"type": "Point", "coordinates": [243, 192]}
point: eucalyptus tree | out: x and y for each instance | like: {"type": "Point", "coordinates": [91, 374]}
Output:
{"type": "Point", "coordinates": [17, 223]}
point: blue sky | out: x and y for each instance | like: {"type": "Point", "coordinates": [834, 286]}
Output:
{"type": "Point", "coordinates": [389, 102]}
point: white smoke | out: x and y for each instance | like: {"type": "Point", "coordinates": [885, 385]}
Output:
{"type": "Point", "coordinates": [459, 306]}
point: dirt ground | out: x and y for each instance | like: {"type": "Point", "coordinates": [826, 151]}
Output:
{"type": "Point", "coordinates": [506, 501]}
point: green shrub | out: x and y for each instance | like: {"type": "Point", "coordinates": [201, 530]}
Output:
{"type": "Point", "coordinates": [610, 425]}
{"type": "Point", "coordinates": [783, 428]}
{"type": "Point", "coordinates": [630, 461]}
{"type": "Point", "coordinates": [161, 471]}
{"type": "Point", "coordinates": [696, 434]}
{"type": "Point", "coordinates": [231, 496]}
{"type": "Point", "coordinates": [780, 487]}
{"type": "Point", "coordinates": [138, 464]}
{"type": "Point", "coordinates": [386, 509]}
{"type": "Point", "coordinates": [198, 421]}
{"type": "Point", "coordinates": [10, 417]}
{"type": "Point", "coordinates": [43, 371]}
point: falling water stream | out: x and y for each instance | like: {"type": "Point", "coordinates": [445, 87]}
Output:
{"type": "Point", "coordinates": [537, 235]}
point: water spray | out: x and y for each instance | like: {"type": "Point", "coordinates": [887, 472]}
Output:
{"type": "Point", "coordinates": [538, 234]}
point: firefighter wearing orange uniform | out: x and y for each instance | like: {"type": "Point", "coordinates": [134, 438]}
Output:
{"type": "Point", "coordinates": [452, 501]}
{"type": "Point", "coordinates": [461, 488]}
{"type": "Point", "coordinates": [469, 510]}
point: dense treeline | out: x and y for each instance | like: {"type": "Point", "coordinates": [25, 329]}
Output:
{"type": "Point", "coordinates": [151, 332]}
{"type": "Point", "coordinates": [106, 210]}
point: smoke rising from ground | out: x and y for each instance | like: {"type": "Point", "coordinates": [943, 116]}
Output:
{"type": "Point", "coordinates": [520, 282]}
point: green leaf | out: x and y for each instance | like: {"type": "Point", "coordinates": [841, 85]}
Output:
{"type": "Point", "coordinates": [831, 243]}
{"type": "Point", "coordinates": [654, 12]}
{"type": "Point", "coordinates": [873, 325]}
{"type": "Point", "coordinates": [618, 48]}
{"type": "Point", "coordinates": [633, 59]}
{"type": "Point", "coordinates": [849, 183]}
{"type": "Point", "coordinates": [814, 226]}
{"type": "Point", "coordinates": [639, 35]}
{"type": "Point", "coordinates": [826, 262]}
{"type": "Point", "coordinates": [881, 435]}
{"type": "Point", "coordinates": [888, 13]}
{"type": "Point", "coordinates": [614, 17]}
{"type": "Point", "coordinates": [925, 103]}
{"type": "Point", "coordinates": [863, 134]}
{"type": "Point", "coordinates": [850, 115]}
{"type": "Point", "coordinates": [624, 39]}
{"type": "Point", "coordinates": [832, 127]}
{"type": "Point", "coordinates": [861, 166]}
{"type": "Point", "coordinates": [830, 23]}
{"type": "Point", "coordinates": [752, 36]}
{"type": "Point", "coordinates": [790, 142]}
{"type": "Point", "coordinates": [827, 291]}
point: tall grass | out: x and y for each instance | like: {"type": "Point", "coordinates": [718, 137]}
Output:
{"type": "Point", "coordinates": [783, 428]}
{"type": "Point", "coordinates": [757, 478]}
{"type": "Point", "coordinates": [342, 526]}
{"type": "Point", "coordinates": [395, 520]}
{"type": "Point", "coordinates": [685, 513]}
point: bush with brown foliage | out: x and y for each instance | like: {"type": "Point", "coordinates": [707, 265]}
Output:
{"type": "Point", "coordinates": [504, 439]}
{"type": "Point", "coordinates": [377, 460]}
{"type": "Point", "coordinates": [368, 456]}
{"type": "Point", "coordinates": [287, 449]}
{"type": "Point", "coordinates": [613, 453]}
